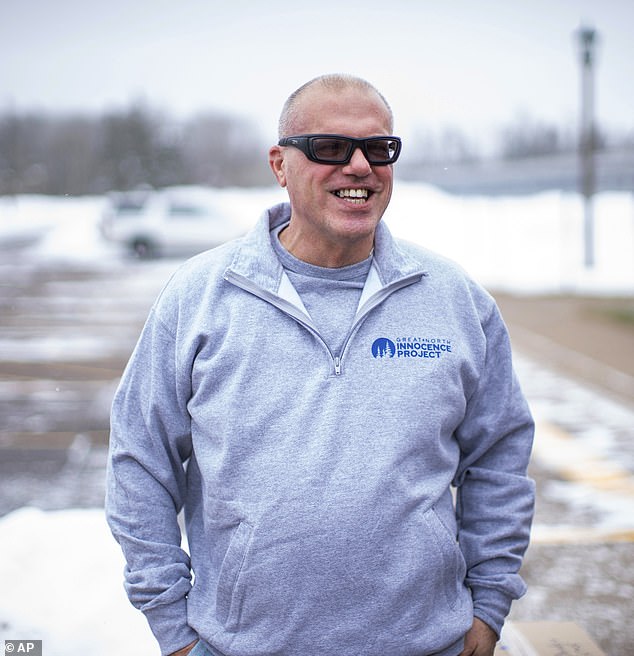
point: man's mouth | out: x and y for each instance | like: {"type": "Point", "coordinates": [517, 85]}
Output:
{"type": "Point", "coordinates": [356, 196]}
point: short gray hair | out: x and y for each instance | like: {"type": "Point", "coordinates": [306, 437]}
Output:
{"type": "Point", "coordinates": [332, 81]}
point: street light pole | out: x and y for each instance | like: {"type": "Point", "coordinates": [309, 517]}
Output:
{"type": "Point", "coordinates": [587, 142]}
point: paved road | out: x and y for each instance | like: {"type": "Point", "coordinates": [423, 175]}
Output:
{"type": "Point", "coordinates": [65, 336]}
{"type": "Point", "coordinates": [66, 333]}
{"type": "Point", "coordinates": [590, 339]}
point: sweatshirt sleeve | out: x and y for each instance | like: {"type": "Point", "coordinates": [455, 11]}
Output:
{"type": "Point", "coordinates": [150, 442]}
{"type": "Point", "coordinates": [495, 498]}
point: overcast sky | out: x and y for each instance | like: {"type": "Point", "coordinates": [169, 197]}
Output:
{"type": "Point", "coordinates": [472, 64]}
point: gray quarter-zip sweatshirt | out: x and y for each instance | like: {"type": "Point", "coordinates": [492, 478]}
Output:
{"type": "Point", "coordinates": [317, 485]}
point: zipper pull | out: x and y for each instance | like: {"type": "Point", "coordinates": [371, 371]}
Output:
{"type": "Point", "coordinates": [337, 365]}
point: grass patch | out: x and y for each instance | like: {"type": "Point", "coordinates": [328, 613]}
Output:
{"type": "Point", "coordinates": [621, 314]}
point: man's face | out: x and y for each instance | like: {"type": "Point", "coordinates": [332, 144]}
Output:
{"type": "Point", "coordinates": [329, 225]}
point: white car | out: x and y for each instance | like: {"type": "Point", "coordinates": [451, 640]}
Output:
{"type": "Point", "coordinates": [172, 222]}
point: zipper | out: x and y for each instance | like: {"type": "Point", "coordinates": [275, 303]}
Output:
{"type": "Point", "coordinates": [296, 314]}
{"type": "Point", "coordinates": [374, 301]}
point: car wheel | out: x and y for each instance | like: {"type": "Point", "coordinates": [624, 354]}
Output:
{"type": "Point", "coordinates": [143, 248]}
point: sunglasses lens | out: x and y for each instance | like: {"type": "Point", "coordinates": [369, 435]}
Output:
{"type": "Point", "coordinates": [329, 149]}
{"type": "Point", "coordinates": [381, 150]}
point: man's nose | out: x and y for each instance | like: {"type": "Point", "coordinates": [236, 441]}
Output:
{"type": "Point", "coordinates": [358, 164]}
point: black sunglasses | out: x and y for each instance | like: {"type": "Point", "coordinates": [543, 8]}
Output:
{"type": "Point", "coordinates": [337, 149]}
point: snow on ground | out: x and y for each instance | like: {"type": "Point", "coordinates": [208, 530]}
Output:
{"type": "Point", "coordinates": [61, 582]}
{"type": "Point", "coordinates": [61, 572]}
{"type": "Point", "coordinates": [527, 244]}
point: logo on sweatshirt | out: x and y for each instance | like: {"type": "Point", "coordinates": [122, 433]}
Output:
{"type": "Point", "coordinates": [423, 348]}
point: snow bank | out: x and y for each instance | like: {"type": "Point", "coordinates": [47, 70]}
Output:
{"type": "Point", "coordinates": [61, 579]}
{"type": "Point", "coordinates": [524, 244]}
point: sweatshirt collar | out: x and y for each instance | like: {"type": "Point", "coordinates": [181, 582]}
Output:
{"type": "Point", "coordinates": [256, 260]}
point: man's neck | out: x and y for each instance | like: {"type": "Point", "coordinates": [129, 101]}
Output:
{"type": "Point", "coordinates": [330, 256]}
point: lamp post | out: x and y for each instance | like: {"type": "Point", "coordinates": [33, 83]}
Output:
{"type": "Point", "coordinates": [587, 142]}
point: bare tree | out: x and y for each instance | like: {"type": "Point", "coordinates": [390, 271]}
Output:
{"type": "Point", "coordinates": [529, 137]}
{"type": "Point", "coordinates": [221, 150]}
{"type": "Point", "coordinates": [126, 148]}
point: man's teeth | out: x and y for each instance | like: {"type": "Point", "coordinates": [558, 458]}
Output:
{"type": "Point", "coordinates": [355, 194]}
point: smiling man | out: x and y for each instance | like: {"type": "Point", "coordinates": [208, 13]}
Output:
{"type": "Point", "coordinates": [344, 492]}
{"type": "Point", "coordinates": [335, 207]}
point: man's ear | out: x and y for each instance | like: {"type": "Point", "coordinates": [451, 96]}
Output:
{"type": "Point", "coordinates": [276, 162]}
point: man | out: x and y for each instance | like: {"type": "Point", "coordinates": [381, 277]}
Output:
{"type": "Point", "coordinates": [310, 395]}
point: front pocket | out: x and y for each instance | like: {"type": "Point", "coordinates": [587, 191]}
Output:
{"type": "Point", "coordinates": [453, 564]}
{"type": "Point", "coordinates": [227, 601]}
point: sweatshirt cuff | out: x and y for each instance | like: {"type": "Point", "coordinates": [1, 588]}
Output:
{"type": "Point", "coordinates": [491, 606]}
{"type": "Point", "coordinates": [169, 626]}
